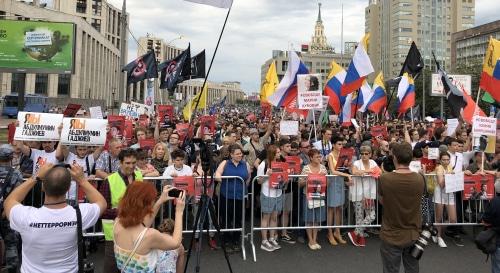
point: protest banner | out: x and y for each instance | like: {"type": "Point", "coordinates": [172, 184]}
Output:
{"type": "Point", "coordinates": [266, 112]}
{"type": "Point", "coordinates": [289, 127]}
{"type": "Point", "coordinates": [144, 121]}
{"type": "Point", "coordinates": [116, 126]}
{"type": "Point", "coordinates": [166, 114]}
{"type": "Point", "coordinates": [293, 164]}
{"type": "Point", "coordinates": [84, 132]}
{"type": "Point", "coordinates": [142, 109]}
{"type": "Point", "coordinates": [38, 126]}
{"type": "Point", "coordinates": [147, 144]}
{"type": "Point", "coordinates": [129, 110]}
{"type": "Point", "coordinates": [71, 110]}
{"type": "Point", "coordinates": [96, 112]}
{"type": "Point", "coordinates": [182, 130]}
{"type": "Point", "coordinates": [452, 126]}
{"type": "Point", "coordinates": [345, 159]}
{"type": "Point", "coordinates": [433, 153]}
{"type": "Point", "coordinates": [479, 187]}
{"type": "Point", "coordinates": [454, 182]}
{"type": "Point", "coordinates": [278, 180]}
{"type": "Point", "coordinates": [316, 187]}
{"type": "Point", "coordinates": [207, 124]}
{"type": "Point", "coordinates": [309, 94]}
{"type": "Point", "coordinates": [128, 132]}
{"type": "Point", "coordinates": [415, 166]}
{"type": "Point", "coordinates": [379, 130]}
{"type": "Point", "coordinates": [185, 183]}
{"type": "Point", "coordinates": [484, 126]}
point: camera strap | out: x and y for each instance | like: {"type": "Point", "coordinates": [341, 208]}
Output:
{"type": "Point", "coordinates": [80, 243]}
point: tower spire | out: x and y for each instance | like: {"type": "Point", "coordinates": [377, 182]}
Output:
{"type": "Point", "coordinates": [319, 12]}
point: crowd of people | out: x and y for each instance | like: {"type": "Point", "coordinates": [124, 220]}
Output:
{"type": "Point", "coordinates": [246, 146]}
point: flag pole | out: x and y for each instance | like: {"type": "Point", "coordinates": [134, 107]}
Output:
{"type": "Point", "coordinates": [389, 102]}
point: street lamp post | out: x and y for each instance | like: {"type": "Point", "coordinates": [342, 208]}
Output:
{"type": "Point", "coordinates": [113, 101]}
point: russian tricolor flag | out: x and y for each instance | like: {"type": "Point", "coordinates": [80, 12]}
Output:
{"type": "Point", "coordinates": [346, 115]}
{"type": "Point", "coordinates": [379, 98]}
{"type": "Point", "coordinates": [286, 92]}
{"type": "Point", "coordinates": [406, 94]}
{"type": "Point", "coordinates": [333, 87]}
{"type": "Point", "coordinates": [365, 96]}
{"type": "Point", "coordinates": [359, 68]}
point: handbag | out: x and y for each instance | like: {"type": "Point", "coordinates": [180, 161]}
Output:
{"type": "Point", "coordinates": [139, 240]}
{"type": "Point", "coordinates": [431, 184]}
{"type": "Point", "coordinates": [84, 265]}
{"type": "Point", "coordinates": [486, 240]}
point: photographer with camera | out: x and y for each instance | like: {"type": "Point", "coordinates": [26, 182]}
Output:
{"type": "Point", "coordinates": [400, 194]}
{"type": "Point", "coordinates": [49, 233]}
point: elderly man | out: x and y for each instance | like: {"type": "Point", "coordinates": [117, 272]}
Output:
{"type": "Point", "coordinates": [108, 162]}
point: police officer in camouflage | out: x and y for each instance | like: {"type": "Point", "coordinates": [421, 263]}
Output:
{"type": "Point", "coordinates": [9, 179]}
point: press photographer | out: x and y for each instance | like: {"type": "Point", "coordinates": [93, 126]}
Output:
{"type": "Point", "coordinates": [49, 233]}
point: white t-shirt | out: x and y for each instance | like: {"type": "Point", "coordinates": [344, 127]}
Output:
{"type": "Point", "coordinates": [185, 171]}
{"type": "Point", "coordinates": [73, 158]}
{"type": "Point", "coordinates": [49, 236]}
{"type": "Point", "coordinates": [364, 187]}
{"type": "Point", "coordinates": [324, 149]}
{"type": "Point", "coordinates": [40, 157]}
{"type": "Point", "coordinates": [265, 189]}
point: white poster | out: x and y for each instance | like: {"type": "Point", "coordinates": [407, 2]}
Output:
{"type": "Point", "coordinates": [38, 126]}
{"type": "Point", "coordinates": [454, 182]}
{"type": "Point", "coordinates": [129, 110]}
{"type": "Point", "coordinates": [149, 95]}
{"type": "Point", "coordinates": [433, 153]}
{"type": "Point", "coordinates": [96, 112]}
{"type": "Point", "coordinates": [452, 126]}
{"type": "Point", "coordinates": [463, 82]}
{"type": "Point", "coordinates": [309, 94]}
{"type": "Point", "coordinates": [83, 131]}
{"type": "Point", "coordinates": [142, 108]}
{"type": "Point", "coordinates": [289, 127]}
{"type": "Point", "coordinates": [484, 126]}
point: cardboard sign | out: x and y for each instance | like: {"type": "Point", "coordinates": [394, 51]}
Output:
{"type": "Point", "coordinates": [484, 126]}
{"type": "Point", "coordinates": [207, 124]}
{"type": "Point", "coordinates": [479, 187]}
{"type": "Point", "coordinates": [71, 110]}
{"type": "Point", "coordinates": [83, 131]}
{"type": "Point", "coordinates": [309, 94]}
{"type": "Point", "coordinates": [415, 166]}
{"type": "Point", "coordinates": [289, 127]}
{"type": "Point", "coordinates": [129, 110]}
{"type": "Point", "coordinates": [345, 159]}
{"type": "Point", "coordinates": [293, 164]}
{"type": "Point", "coordinates": [266, 111]}
{"type": "Point", "coordinates": [278, 180]}
{"type": "Point", "coordinates": [379, 130]}
{"type": "Point", "coordinates": [185, 183]}
{"type": "Point", "coordinates": [96, 112]}
{"type": "Point", "coordinates": [38, 126]}
{"type": "Point", "coordinates": [12, 131]}
{"type": "Point", "coordinates": [454, 182]}
{"type": "Point", "coordinates": [452, 126]}
{"type": "Point", "coordinates": [433, 153]}
{"type": "Point", "coordinates": [116, 126]}
{"type": "Point", "coordinates": [166, 114]}
{"type": "Point", "coordinates": [316, 187]}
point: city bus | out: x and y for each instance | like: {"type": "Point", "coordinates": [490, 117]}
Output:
{"type": "Point", "coordinates": [32, 103]}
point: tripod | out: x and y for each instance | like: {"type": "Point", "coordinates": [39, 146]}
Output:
{"type": "Point", "coordinates": [205, 205]}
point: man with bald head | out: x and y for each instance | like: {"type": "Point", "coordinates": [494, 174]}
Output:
{"type": "Point", "coordinates": [108, 162]}
{"type": "Point", "coordinates": [49, 233]}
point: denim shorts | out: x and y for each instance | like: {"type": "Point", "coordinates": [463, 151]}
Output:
{"type": "Point", "coordinates": [270, 204]}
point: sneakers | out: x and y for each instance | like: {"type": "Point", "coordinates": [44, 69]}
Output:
{"type": "Point", "coordinates": [267, 246]}
{"type": "Point", "coordinates": [212, 243]}
{"type": "Point", "coordinates": [274, 244]}
{"type": "Point", "coordinates": [361, 241]}
{"type": "Point", "coordinates": [287, 239]}
{"type": "Point", "coordinates": [354, 238]}
{"type": "Point", "coordinates": [458, 241]}
{"type": "Point", "coordinates": [441, 242]}
{"type": "Point", "coordinates": [435, 239]}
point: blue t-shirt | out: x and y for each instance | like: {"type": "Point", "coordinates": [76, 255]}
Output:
{"type": "Point", "coordinates": [233, 188]}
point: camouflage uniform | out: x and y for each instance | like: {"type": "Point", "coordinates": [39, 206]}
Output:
{"type": "Point", "coordinates": [10, 237]}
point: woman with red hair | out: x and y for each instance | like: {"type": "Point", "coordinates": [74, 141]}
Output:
{"type": "Point", "coordinates": [137, 246]}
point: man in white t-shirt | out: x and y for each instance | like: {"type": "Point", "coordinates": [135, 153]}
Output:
{"type": "Point", "coordinates": [49, 233]}
{"type": "Point", "coordinates": [324, 146]}
{"type": "Point", "coordinates": [178, 168]}
{"type": "Point", "coordinates": [39, 157]}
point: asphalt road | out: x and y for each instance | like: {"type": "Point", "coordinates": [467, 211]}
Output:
{"type": "Point", "coordinates": [342, 259]}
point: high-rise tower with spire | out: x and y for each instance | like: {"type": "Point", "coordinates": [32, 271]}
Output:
{"type": "Point", "coordinates": [319, 42]}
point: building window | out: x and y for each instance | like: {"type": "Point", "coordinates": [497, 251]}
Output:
{"type": "Point", "coordinates": [96, 7]}
{"type": "Point", "coordinates": [96, 23]}
{"type": "Point", "coordinates": [284, 65]}
{"type": "Point", "coordinates": [81, 6]}
{"type": "Point", "coordinates": [41, 84]}
{"type": "Point", "coordinates": [18, 82]}
{"type": "Point", "coordinates": [64, 84]}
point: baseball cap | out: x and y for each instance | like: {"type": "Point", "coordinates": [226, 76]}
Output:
{"type": "Point", "coordinates": [6, 151]}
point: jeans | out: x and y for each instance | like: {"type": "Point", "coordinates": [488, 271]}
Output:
{"type": "Point", "coordinates": [495, 261]}
{"type": "Point", "coordinates": [392, 255]}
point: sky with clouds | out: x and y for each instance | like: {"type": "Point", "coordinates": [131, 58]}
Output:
{"type": "Point", "coordinates": [254, 29]}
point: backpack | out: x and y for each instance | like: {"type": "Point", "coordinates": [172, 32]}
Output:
{"type": "Point", "coordinates": [486, 241]}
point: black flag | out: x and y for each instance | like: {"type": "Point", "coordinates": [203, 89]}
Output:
{"type": "Point", "coordinates": [413, 63]}
{"type": "Point", "coordinates": [455, 97]}
{"type": "Point", "coordinates": [176, 70]}
{"type": "Point", "coordinates": [144, 67]}
{"type": "Point", "coordinates": [198, 65]}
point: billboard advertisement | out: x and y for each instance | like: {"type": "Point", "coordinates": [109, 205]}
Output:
{"type": "Point", "coordinates": [36, 47]}
{"type": "Point", "coordinates": [463, 82]}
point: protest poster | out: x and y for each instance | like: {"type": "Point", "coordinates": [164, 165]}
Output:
{"type": "Point", "coordinates": [116, 126]}
{"type": "Point", "coordinates": [433, 153]}
{"type": "Point", "coordinates": [479, 187]}
{"type": "Point", "coordinates": [166, 114]}
{"type": "Point", "coordinates": [309, 94]}
{"type": "Point", "coordinates": [71, 110]}
{"type": "Point", "coordinates": [129, 110]}
{"type": "Point", "coordinates": [147, 144]}
{"type": "Point", "coordinates": [278, 180]}
{"type": "Point", "coordinates": [333, 118]}
{"type": "Point", "coordinates": [266, 111]}
{"type": "Point", "coordinates": [345, 159]}
{"type": "Point", "coordinates": [185, 183]}
{"type": "Point", "coordinates": [316, 187]}
{"type": "Point", "coordinates": [415, 166]}
{"type": "Point", "coordinates": [452, 126]}
{"type": "Point", "coordinates": [484, 126]}
{"type": "Point", "coordinates": [379, 130]}
{"type": "Point", "coordinates": [144, 121]}
{"type": "Point", "coordinates": [142, 109]}
{"type": "Point", "coordinates": [38, 126]}
{"type": "Point", "coordinates": [454, 182]}
{"type": "Point", "coordinates": [96, 112]}
{"type": "Point", "coordinates": [11, 132]}
{"type": "Point", "coordinates": [289, 127]}
{"type": "Point", "coordinates": [182, 130]}
{"type": "Point", "coordinates": [279, 166]}
{"type": "Point", "coordinates": [293, 164]}
{"type": "Point", "coordinates": [207, 124]}
{"type": "Point", "coordinates": [128, 132]}
{"type": "Point", "coordinates": [198, 188]}
{"type": "Point", "coordinates": [84, 131]}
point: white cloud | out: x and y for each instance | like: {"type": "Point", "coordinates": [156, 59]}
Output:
{"type": "Point", "coordinates": [254, 29]}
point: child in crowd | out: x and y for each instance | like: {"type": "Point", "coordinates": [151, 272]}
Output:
{"type": "Point", "coordinates": [170, 261]}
